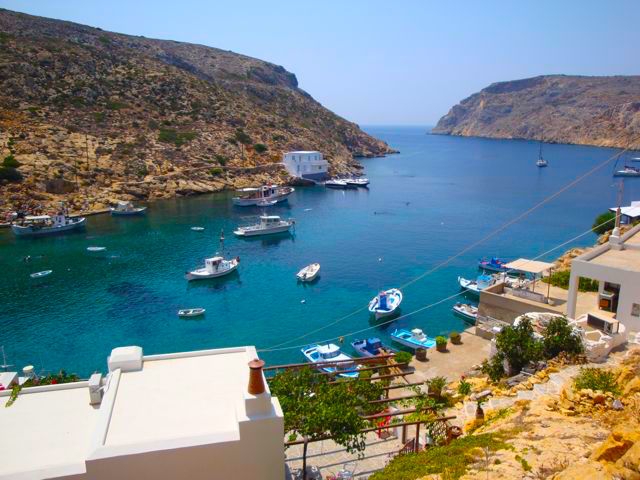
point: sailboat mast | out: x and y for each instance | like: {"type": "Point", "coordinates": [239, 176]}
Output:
{"type": "Point", "coordinates": [222, 240]}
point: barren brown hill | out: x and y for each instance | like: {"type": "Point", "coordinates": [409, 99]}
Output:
{"type": "Point", "coordinates": [601, 111]}
{"type": "Point", "coordinates": [91, 116]}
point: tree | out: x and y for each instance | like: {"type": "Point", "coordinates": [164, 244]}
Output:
{"type": "Point", "coordinates": [313, 408]}
{"type": "Point", "coordinates": [607, 219]}
{"type": "Point", "coordinates": [260, 148]}
{"type": "Point", "coordinates": [243, 139]}
{"type": "Point", "coordinates": [10, 162]}
{"type": "Point", "coordinates": [559, 336]}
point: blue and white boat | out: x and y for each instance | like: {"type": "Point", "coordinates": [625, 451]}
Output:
{"type": "Point", "coordinates": [330, 353]}
{"type": "Point", "coordinates": [413, 339]}
{"type": "Point", "coordinates": [371, 347]}
{"type": "Point", "coordinates": [494, 265]}
{"type": "Point", "coordinates": [476, 286]}
{"type": "Point", "coordinates": [34, 226]}
{"type": "Point", "coordinates": [385, 303]}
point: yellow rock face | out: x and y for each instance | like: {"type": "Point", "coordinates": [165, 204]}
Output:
{"type": "Point", "coordinates": [618, 444]}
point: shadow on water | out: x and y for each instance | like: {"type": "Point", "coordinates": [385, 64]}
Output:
{"type": "Point", "coordinates": [272, 239]}
{"type": "Point", "coordinates": [135, 299]}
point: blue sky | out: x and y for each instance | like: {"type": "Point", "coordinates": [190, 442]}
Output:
{"type": "Point", "coordinates": [384, 62]}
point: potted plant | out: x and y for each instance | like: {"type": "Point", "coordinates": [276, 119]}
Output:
{"type": "Point", "coordinates": [455, 338]}
{"type": "Point", "coordinates": [421, 354]}
{"type": "Point", "coordinates": [403, 357]}
{"type": "Point", "coordinates": [441, 343]}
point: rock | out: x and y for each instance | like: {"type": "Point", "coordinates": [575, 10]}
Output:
{"type": "Point", "coordinates": [590, 470]}
{"type": "Point", "coordinates": [617, 405]}
{"type": "Point", "coordinates": [632, 387]}
{"type": "Point", "coordinates": [598, 399]}
{"type": "Point", "coordinates": [631, 459]}
{"type": "Point", "coordinates": [617, 444]}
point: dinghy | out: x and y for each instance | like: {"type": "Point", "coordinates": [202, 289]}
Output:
{"type": "Point", "coordinates": [308, 273]}
{"type": "Point", "coordinates": [371, 347]}
{"type": "Point", "coordinates": [330, 353]}
{"type": "Point", "coordinates": [44, 273]}
{"type": "Point", "coordinates": [476, 286]}
{"type": "Point", "coordinates": [385, 303]}
{"type": "Point", "coordinates": [468, 312]}
{"type": "Point", "coordinates": [191, 312]}
{"type": "Point", "coordinates": [413, 339]}
{"type": "Point", "coordinates": [358, 182]}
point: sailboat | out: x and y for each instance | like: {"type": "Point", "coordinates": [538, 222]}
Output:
{"type": "Point", "coordinates": [541, 161]}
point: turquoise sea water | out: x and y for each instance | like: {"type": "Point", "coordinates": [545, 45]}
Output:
{"type": "Point", "coordinates": [424, 205]}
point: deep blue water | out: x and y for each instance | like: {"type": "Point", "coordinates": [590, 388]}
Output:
{"type": "Point", "coordinates": [426, 204]}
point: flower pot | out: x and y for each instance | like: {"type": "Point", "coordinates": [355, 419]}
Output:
{"type": "Point", "coordinates": [456, 339]}
{"type": "Point", "coordinates": [441, 347]}
{"type": "Point", "coordinates": [421, 354]}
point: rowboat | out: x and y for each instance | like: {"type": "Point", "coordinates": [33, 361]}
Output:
{"type": "Point", "coordinates": [44, 273]}
{"type": "Point", "coordinates": [191, 312]}
{"type": "Point", "coordinates": [371, 347]}
{"type": "Point", "coordinates": [468, 312]}
{"type": "Point", "coordinates": [96, 249]}
{"type": "Point", "coordinates": [308, 273]}
{"type": "Point", "coordinates": [197, 229]}
{"type": "Point", "coordinates": [385, 303]}
{"type": "Point", "coordinates": [413, 339]}
{"type": "Point", "coordinates": [330, 352]}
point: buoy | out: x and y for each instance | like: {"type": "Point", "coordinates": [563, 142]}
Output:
{"type": "Point", "coordinates": [303, 301]}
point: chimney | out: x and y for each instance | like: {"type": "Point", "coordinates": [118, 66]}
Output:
{"type": "Point", "coordinates": [256, 380]}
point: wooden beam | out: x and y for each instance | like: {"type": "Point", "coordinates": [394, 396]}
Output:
{"type": "Point", "coordinates": [325, 364]}
{"type": "Point", "coordinates": [377, 367]}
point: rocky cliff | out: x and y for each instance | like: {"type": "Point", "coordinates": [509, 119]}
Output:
{"type": "Point", "coordinates": [89, 116]}
{"type": "Point", "coordinates": [602, 111]}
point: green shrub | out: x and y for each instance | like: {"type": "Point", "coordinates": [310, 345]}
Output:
{"type": "Point", "coordinates": [464, 387]}
{"type": "Point", "coordinates": [216, 171]}
{"type": "Point", "coordinates": [436, 384]}
{"type": "Point", "coordinates": [99, 116]}
{"type": "Point", "coordinates": [596, 379]}
{"type": "Point", "coordinates": [441, 341]}
{"type": "Point", "coordinates": [221, 159]}
{"type": "Point", "coordinates": [403, 357]}
{"type": "Point", "coordinates": [260, 148]}
{"type": "Point", "coordinates": [169, 135]}
{"type": "Point", "coordinates": [10, 174]}
{"type": "Point", "coordinates": [116, 105]}
{"type": "Point", "coordinates": [561, 279]}
{"type": "Point", "coordinates": [609, 218]}
{"type": "Point", "coordinates": [10, 162]}
{"type": "Point", "coordinates": [454, 337]}
{"type": "Point", "coordinates": [277, 137]}
{"type": "Point", "coordinates": [559, 336]}
{"type": "Point", "coordinates": [104, 40]}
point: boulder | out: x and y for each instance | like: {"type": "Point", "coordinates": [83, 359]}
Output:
{"type": "Point", "coordinates": [631, 459]}
{"type": "Point", "coordinates": [591, 470]}
{"type": "Point", "coordinates": [617, 444]}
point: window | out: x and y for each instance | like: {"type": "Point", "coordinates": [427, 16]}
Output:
{"type": "Point", "coordinates": [635, 310]}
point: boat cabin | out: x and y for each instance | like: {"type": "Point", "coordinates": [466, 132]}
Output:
{"type": "Point", "coordinates": [418, 335]}
{"type": "Point", "coordinates": [382, 301]}
{"type": "Point", "coordinates": [124, 206]}
{"type": "Point", "coordinates": [373, 345]}
{"type": "Point", "coordinates": [213, 264]}
{"type": "Point", "coordinates": [269, 220]}
{"type": "Point", "coordinates": [327, 352]}
{"type": "Point", "coordinates": [264, 191]}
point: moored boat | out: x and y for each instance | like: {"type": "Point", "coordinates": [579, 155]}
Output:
{"type": "Point", "coordinates": [358, 182]}
{"type": "Point", "coordinates": [385, 303]}
{"type": "Point", "coordinates": [495, 264]}
{"type": "Point", "coordinates": [191, 312]}
{"type": "Point", "coordinates": [308, 273]}
{"type": "Point", "coordinates": [330, 353]}
{"type": "Point", "coordinates": [213, 267]}
{"type": "Point", "coordinates": [371, 347]}
{"type": "Point", "coordinates": [477, 285]}
{"type": "Point", "coordinates": [197, 229]}
{"type": "Point", "coordinates": [267, 225]}
{"type": "Point", "coordinates": [39, 225]}
{"type": "Point", "coordinates": [468, 312]}
{"type": "Point", "coordinates": [96, 249]}
{"type": "Point", "coordinates": [124, 208]}
{"type": "Point", "coordinates": [541, 162]}
{"type": "Point", "coordinates": [337, 183]}
{"type": "Point", "coordinates": [413, 339]}
{"type": "Point", "coordinates": [628, 171]}
{"type": "Point", "coordinates": [254, 195]}
{"type": "Point", "coordinates": [41, 274]}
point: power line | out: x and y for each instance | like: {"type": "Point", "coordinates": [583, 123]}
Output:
{"type": "Point", "coordinates": [469, 247]}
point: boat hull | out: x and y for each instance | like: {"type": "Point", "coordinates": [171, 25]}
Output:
{"type": "Point", "coordinates": [308, 354]}
{"type": "Point", "coordinates": [306, 275]}
{"type": "Point", "coordinates": [430, 343]}
{"type": "Point", "coordinates": [465, 315]}
{"type": "Point", "coordinates": [204, 274]}
{"type": "Point", "coordinates": [255, 233]}
{"type": "Point", "coordinates": [395, 295]}
{"type": "Point", "coordinates": [31, 231]}
{"type": "Point", "coordinates": [250, 202]}
{"type": "Point", "coordinates": [129, 213]}
{"type": "Point", "coordinates": [361, 350]}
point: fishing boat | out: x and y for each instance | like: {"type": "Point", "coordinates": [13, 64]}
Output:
{"type": "Point", "coordinates": [371, 347]}
{"type": "Point", "coordinates": [254, 195]}
{"type": "Point", "coordinates": [330, 353]}
{"type": "Point", "coordinates": [358, 182]}
{"type": "Point", "coordinates": [41, 274]}
{"type": "Point", "coordinates": [308, 273]}
{"type": "Point", "coordinates": [413, 339]}
{"type": "Point", "coordinates": [477, 285]}
{"type": "Point", "coordinates": [267, 225]}
{"type": "Point", "coordinates": [385, 303]}
{"type": "Point", "coordinates": [213, 267]}
{"type": "Point", "coordinates": [39, 225]}
{"type": "Point", "coordinates": [628, 171]}
{"type": "Point", "coordinates": [541, 162]}
{"type": "Point", "coordinates": [124, 208]}
{"type": "Point", "coordinates": [494, 265]}
{"type": "Point", "coordinates": [337, 183]}
{"type": "Point", "coordinates": [191, 312]}
{"type": "Point", "coordinates": [468, 312]}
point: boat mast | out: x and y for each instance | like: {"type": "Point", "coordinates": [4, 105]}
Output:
{"type": "Point", "coordinates": [540, 152]}
{"type": "Point", "coordinates": [222, 241]}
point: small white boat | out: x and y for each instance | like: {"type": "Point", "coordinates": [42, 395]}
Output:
{"type": "Point", "coordinates": [126, 208]}
{"type": "Point", "coordinates": [635, 159]}
{"type": "Point", "coordinates": [358, 182]}
{"type": "Point", "coordinates": [96, 249]}
{"type": "Point", "coordinates": [191, 312]}
{"type": "Point", "coordinates": [213, 267]}
{"type": "Point", "coordinates": [413, 339]}
{"type": "Point", "coordinates": [197, 229]}
{"type": "Point", "coordinates": [541, 162]}
{"type": "Point", "coordinates": [266, 203]}
{"type": "Point", "coordinates": [628, 171]}
{"type": "Point", "coordinates": [468, 312]}
{"type": "Point", "coordinates": [477, 285]}
{"type": "Point", "coordinates": [309, 272]}
{"type": "Point", "coordinates": [330, 353]}
{"type": "Point", "coordinates": [46, 225]}
{"type": "Point", "coordinates": [44, 273]}
{"type": "Point", "coordinates": [254, 195]}
{"type": "Point", "coordinates": [336, 183]}
{"type": "Point", "coordinates": [267, 225]}
{"type": "Point", "coordinates": [385, 303]}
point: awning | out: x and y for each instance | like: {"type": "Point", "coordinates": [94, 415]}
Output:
{"type": "Point", "coordinates": [529, 266]}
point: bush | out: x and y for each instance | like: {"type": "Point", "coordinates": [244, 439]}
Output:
{"type": "Point", "coordinates": [116, 105]}
{"type": "Point", "coordinates": [493, 368]}
{"type": "Point", "coordinates": [216, 171]}
{"type": "Point", "coordinates": [607, 217]}
{"type": "Point", "coordinates": [221, 159]}
{"type": "Point", "coordinates": [597, 379]}
{"type": "Point", "coordinates": [559, 336]}
{"type": "Point", "coordinates": [403, 357]}
{"type": "Point", "coordinates": [441, 343]}
{"type": "Point", "coordinates": [260, 148]}
{"type": "Point", "coordinates": [561, 279]}
{"type": "Point", "coordinates": [436, 384]}
{"type": "Point", "coordinates": [10, 174]}
{"type": "Point", "coordinates": [169, 135]}
{"type": "Point", "coordinates": [464, 387]}
{"type": "Point", "coordinates": [99, 116]}
{"type": "Point", "coordinates": [10, 162]}
{"type": "Point", "coordinates": [455, 337]}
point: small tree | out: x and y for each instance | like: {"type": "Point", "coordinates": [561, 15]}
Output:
{"type": "Point", "coordinates": [604, 222]}
{"type": "Point", "coordinates": [559, 336]}
{"type": "Point", "coordinates": [313, 408]}
{"type": "Point", "coordinates": [242, 138]}
{"type": "Point", "coordinates": [10, 162]}
{"type": "Point", "coordinates": [260, 148]}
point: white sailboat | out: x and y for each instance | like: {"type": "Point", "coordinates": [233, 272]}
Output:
{"type": "Point", "coordinates": [541, 162]}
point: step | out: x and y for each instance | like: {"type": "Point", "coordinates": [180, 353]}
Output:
{"type": "Point", "coordinates": [525, 395]}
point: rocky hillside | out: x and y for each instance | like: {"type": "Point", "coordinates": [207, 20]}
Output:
{"type": "Point", "coordinates": [602, 111]}
{"type": "Point", "coordinates": [91, 116]}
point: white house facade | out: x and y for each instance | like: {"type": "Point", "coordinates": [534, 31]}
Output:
{"type": "Point", "coordinates": [309, 165]}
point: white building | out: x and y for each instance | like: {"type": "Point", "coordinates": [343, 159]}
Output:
{"type": "Point", "coordinates": [628, 214]}
{"type": "Point", "coordinates": [616, 266]}
{"type": "Point", "coordinates": [310, 165]}
{"type": "Point", "coordinates": [182, 415]}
